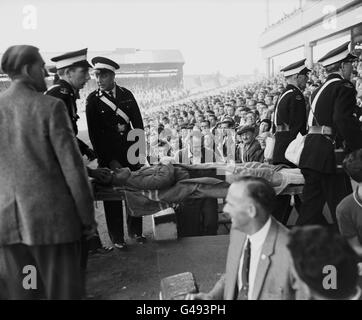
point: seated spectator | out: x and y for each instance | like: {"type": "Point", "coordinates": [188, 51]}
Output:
{"type": "Point", "coordinates": [249, 149]}
{"type": "Point", "coordinates": [349, 211]}
{"type": "Point", "coordinates": [325, 263]}
{"type": "Point", "coordinates": [265, 126]}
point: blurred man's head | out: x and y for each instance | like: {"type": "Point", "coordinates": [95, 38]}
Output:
{"type": "Point", "coordinates": [352, 164]}
{"type": "Point", "coordinates": [250, 118]}
{"type": "Point", "coordinates": [324, 262]}
{"type": "Point", "coordinates": [230, 111]}
{"type": "Point", "coordinates": [265, 126]}
{"type": "Point", "coordinates": [249, 203]}
{"type": "Point", "coordinates": [25, 63]}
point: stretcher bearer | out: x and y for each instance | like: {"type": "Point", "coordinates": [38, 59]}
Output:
{"type": "Point", "coordinates": [333, 131]}
{"type": "Point", "coordinates": [290, 118]}
{"type": "Point", "coordinates": [290, 113]}
{"type": "Point", "coordinates": [112, 112]}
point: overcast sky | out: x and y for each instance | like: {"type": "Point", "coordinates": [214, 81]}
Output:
{"type": "Point", "coordinates": [213, 35]}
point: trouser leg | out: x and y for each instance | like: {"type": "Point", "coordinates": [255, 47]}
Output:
{"type": "Point", "coordinates": [15, 258]}
{"type": "Point", "coordinates": [114, 219]}
{"type": "Point", "coordinates": [314, 198]}
{"type": "Point", "coordinates": [60, 269]}
{"type": "Point", "coordinates": [282, 208]}
{"type": "Point", "coordinates": [336, 188]}
{"type": "Point", "coordinates": [209, 216]}
{"type": "Point", "coordinates": [135, 225]}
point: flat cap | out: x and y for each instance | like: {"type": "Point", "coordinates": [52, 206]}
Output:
{"type": "Point", "coordinates": [72, 59]}
{"type": "Point", "coordinates": [339, 54]}
{"type": "Point", "coordinates": [245, 128]}
{"type": "Point", "coordinates": [295, 68]}
{"type": "Point", "coordinates": [15, 57]}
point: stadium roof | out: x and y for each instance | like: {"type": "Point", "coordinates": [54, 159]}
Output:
{"type": "Point", "coordinates": [131, 58]}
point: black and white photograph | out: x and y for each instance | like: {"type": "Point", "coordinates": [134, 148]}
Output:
{"type": "Point", "coordinates": [167, 152]}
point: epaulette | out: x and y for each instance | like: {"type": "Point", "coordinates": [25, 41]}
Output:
{"type": "Point", "coordinates": [54, 86]}
{"type": "Point", "coordinates": [348, 85]}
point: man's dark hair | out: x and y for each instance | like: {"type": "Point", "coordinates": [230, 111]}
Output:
{"type": "Point", "coordinates": [352, 164]}
{"type": "Point", "coordinates": [333, 67]}
{"type": "Point", "coordinates": [261, 191]}
{"type": "Point", "coordinates": [16, 57]}
{"type": "Point", "coordinates": [207, 122]}
{"type": "Point", "coordinates": [314, 248]}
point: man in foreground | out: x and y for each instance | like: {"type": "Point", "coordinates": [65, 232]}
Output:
{"type": "Point", "coordinates": [325, 263]}
{"type": "Point", "coordinates": [258, 264]}
{"type": "Point", "coordinates": [46, 203]}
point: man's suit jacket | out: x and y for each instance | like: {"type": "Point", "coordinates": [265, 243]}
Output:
{"type": "Point", "coordinates": [45, 196]}
{"type": "Point", "coordinates": [274, 279]}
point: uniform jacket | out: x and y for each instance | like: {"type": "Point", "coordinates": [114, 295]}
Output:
{"type": "Point", "coordinates": [64, 91]}
{"type": "Point", "coordinates": [292, 112]}
{"type": "Point", "coordinates": [45, 197]}
{"type": "Point", "coordinates": [275, 278]}
{"type": "Point", "coordinates": [335, 108]}
{"type": "Point", "coordinates": [107, 130]}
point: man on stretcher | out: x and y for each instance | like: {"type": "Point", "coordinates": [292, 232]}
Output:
{"type": "Point", "coordinates": [164, 175]}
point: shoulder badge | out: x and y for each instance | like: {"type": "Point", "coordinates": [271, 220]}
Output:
{"type": "Point", "coordinates": [64, 91]}
{"type": "Point", "coordinates": [298, 97]}
{"type": "Point", "coordinates": [348, 85]}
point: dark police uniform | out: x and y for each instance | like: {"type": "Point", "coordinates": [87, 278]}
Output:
{"type": "Point", "coordinates": [333, 131]}
{"type": "Point", "coordinates": [291, 118]}
{"type": "Point", "coordinates": [108, 133]}
{"type": "Point", "coordinates": [64, 91]}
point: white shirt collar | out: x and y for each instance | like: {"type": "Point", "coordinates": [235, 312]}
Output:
{"type": "Point", "coordinates": [357, 295]}
{"type": "Point", "coordinates": [257, 239]}
{"type": "Point", "coordinates": [113, 91]}
{"type": "Point", "coordinates": [356, 198]}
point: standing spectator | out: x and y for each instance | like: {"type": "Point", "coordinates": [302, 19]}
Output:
{"type": "Point", "coordinates": [46, 201]}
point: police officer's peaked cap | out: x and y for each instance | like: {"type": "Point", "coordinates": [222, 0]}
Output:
{"type": "Point", "coordinates": [295, 68]}
{"type": "Point", "coordinates": [101, 63]}
{"type": "Point", "coordinates": [72, 59]}
{"type": "Point", "coordinates": [340, 54]}
{"type": "Point", "coordinates": [15, 57]}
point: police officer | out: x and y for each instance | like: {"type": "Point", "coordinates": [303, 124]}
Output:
{"type": "Point", "coordinates": [112, 112]}
{"type": "Point", "coordinates": [290, 118]}
{"type": "Point", "coordinates": [290, 115]}
{"type": "Point", "coordinates": [333, 131]}
{"type": "Point", "coordinates": [72, 69]}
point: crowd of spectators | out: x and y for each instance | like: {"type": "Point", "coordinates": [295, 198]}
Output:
{"type": "Point", "coordinates": [247, 112]}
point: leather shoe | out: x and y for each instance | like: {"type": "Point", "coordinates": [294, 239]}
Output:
{"type": "Point", "coordinates": [141, 239]}
{"type": "Point", "coordinates": [120, 246]}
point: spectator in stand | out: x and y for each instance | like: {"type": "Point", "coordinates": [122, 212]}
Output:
{"type": "Point", "coordinates": [349, 210]}
{"type": "Point", "coordinates": [249, 148]}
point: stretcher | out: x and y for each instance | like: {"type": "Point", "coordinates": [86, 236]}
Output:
{"type": "Point", "coordinates": [204, 181]}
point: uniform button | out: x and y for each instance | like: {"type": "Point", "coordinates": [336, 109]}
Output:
{"type": "Point", "coordinates": [263, 256]}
